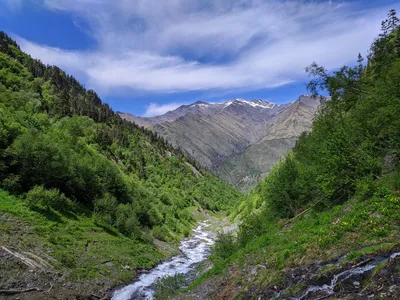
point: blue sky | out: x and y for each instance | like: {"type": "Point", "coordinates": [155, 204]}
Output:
{"type": "Point", "coordinates": [149, 56]}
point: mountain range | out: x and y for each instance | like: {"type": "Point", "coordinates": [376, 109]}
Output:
{"type": "Point", "coordinates": [239, 140]}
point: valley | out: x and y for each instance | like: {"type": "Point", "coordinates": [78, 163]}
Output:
{"type": "Point", "coordinates": [242, 199]}
{"type": "Point", "coordinates": [238, 140]}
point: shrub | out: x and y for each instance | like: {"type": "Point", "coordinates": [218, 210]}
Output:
{"type": "Point", "coordinates": [166, 287]}
{"type": "Point", "coordinates": [161, 233]}
{"type": "Point", "coordinates": [392, 180]}
{"type": "Point", "coordinates": [105, 209]}
{"type": "Point", "coordinates": [102, 220]}
{"type": "Point", "coordinates": [255, 225]}
{"type": "Point", "coordinates": [224, 246]}
{"type": "Point", "coordinates": [39, 197]}
{"type": "Point", "coordinates": [11, 183]}
{"type": "Point", "coordinates": [365, 188]}
{"type": "Point", "coordinates": [156, 218]}
{"type": "Point", "coordinates": [126, 221]}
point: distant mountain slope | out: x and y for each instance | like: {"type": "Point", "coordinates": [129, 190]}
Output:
{"type": "Point", "coordinates": [137, 120]}
{"type": "Point", "coordinates": [212, 133]}
{"type": "Point", "coordinates": [280, 135]}
{"type": "Point", "coordinates": [294, 120]}
{"type": "Point", "coordinates": [245, 169]}
{"type": "Point", "coordinates": [239, 140]}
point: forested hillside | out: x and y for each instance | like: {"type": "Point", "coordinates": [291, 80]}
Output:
{"type": "Point", "coordinates": [65, 156]}
{"type": "Point", "coordinates": [335, 199]}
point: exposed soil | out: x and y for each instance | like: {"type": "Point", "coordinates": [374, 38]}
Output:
{"type": "Point", "coordinates": [27, 272]}
{"type": "Point", "coordinates": [42, 283]}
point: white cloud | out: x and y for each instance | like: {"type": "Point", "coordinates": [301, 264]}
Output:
{"type": "Point", "coordinates": [155, 109]}
{"type": "Point", "coordinates": [187, 45]}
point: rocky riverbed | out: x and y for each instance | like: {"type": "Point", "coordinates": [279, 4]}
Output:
{"type": "Point", "coordinates": [192, 251]}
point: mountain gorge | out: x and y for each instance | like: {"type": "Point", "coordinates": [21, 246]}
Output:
{"type": "Point", "coordinates": [97, 204]}
{"type": "Point", "coordinates": [238, 140]}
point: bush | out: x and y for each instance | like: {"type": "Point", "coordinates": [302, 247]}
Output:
{"type": "Point", "coordinates": [155, 217]}
{"type": "Point", "coordinates": [39, 197]}
{"type": "Point", "coordinates": [126, 221]}
{"type": "Point", "coordinates": [11, 183]}
{"type": "Point", "coordinates": [166, 287]}
{"type": "Point", "coordinates": [254, 226]}
{"type": "Point", "coordinates": [225, 246]}
{"type": "Point", "coordinates": [392, 180]}
{"type": "Point", "coordinates": [104, 209]}
{"type": "Point", "coordinates": [365, 188]}
{"type": "Point", "coordinates": [161, 233]}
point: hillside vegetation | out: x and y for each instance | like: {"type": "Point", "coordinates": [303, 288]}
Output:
{"type": "Point", "coordinates": [77, 174]}
{"type": "Point", "coordinates": [336, 193]}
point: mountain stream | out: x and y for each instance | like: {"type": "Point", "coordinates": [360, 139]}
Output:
{"type": "Point", "coordinates": [350, 276]}
{"type": "Point", "coordinates": [193, 251]}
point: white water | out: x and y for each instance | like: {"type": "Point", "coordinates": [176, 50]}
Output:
{"type": "Point", "coordinates": [329, 288]}
{"type": "Point", "coordinates": [193, 251]}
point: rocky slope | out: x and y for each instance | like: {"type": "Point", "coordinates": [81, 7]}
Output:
{"type": "Point", "coordinates": [279, 136]}
{"type": "Point", "coordinates": [239, 140]}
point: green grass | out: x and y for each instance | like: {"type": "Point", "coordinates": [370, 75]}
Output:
{"type": "Point", "coordinates": [355, 228]}
{"type": "Point", "coordinates": [74, 241]}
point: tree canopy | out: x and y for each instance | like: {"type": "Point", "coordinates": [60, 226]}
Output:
{"type": "Point", "coordinates": [59, 141]}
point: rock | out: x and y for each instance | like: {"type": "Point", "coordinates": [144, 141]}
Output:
{"type": "Point", "coordinates": [254, 271]}
{"type": "Point", "coordinates": [356, 284]}
{"type": "Point", "coordinates": [109, 264]}
{"type": "Point", "coordinates": [67, 285]}
{"type": "Point", "coordinates": [392, 288]}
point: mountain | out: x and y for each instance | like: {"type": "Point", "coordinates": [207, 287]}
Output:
{"type": "Point", "coordinates": [280, 135]}
{"type": "Point", "coordinates": [239, 140]}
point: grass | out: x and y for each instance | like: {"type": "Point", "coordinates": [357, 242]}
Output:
{"type": "Point", "coordinates": [75, 242]}
{"type": "Point", "coordinates": [355, 228]}
{"type": "Point", "coordinates": [79, 246]}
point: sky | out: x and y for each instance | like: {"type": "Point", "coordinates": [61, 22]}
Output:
{"type": "Point", "coordinates": [146, 57]}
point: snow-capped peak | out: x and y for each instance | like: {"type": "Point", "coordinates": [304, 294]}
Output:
{"type": "Point", "coordinates": [201, 104]}
{"type": "Point", "coordinates": [256, 103]}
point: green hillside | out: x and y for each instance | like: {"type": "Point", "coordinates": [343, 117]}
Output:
{"type": "Point", "coordinates": [334, 202]}
{"type": "Point", "coordinates": [90, 186]}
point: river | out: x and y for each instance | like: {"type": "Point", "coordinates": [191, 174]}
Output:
{"type": "Point", "coordinates": [193, 251]}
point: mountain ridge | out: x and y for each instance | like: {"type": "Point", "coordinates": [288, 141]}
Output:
{"type": "Point", "coordinates": [218, 135]}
